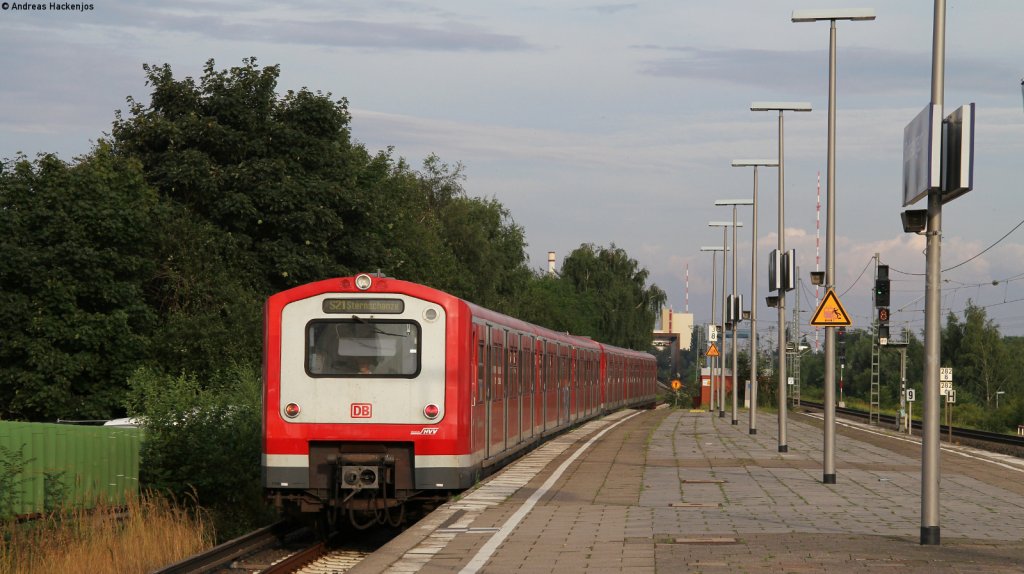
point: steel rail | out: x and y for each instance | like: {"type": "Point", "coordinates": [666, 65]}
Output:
{"type": "Point", "coordinates": [224, 553]}
{"type": "Point", "coordinates": [986, 436]}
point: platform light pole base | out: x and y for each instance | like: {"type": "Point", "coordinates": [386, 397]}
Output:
{"type": "Point", "coordinates": [753, 431]}
{"type": "Point", "coordinates": [735, 422]}
{"type": "Point", "coordinates": [783, 448]}
{"type": "Point", "coordinates": [930, 535]}
{"type": "Point", "coordinates": [828, 479]}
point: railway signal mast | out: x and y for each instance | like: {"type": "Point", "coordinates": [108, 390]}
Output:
{"type": "Point", "coordinates": [938, 164]}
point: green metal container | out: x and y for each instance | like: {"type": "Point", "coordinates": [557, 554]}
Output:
{"type": "Point", "coordinates": [65, 465]}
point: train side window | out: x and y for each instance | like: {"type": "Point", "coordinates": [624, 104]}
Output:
{"type": "Point", "coordinates": [363, 348]}
{"type": "Point", "coordinates": [481, 365]}
{"type": "Point", "coordinates": [512, 384]}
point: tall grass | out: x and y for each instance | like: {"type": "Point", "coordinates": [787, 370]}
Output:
{"type": "Point", "coordinates": [147, 533]}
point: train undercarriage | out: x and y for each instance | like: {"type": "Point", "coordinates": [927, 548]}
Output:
{"type": "Point", "coordinates": [361, 484]}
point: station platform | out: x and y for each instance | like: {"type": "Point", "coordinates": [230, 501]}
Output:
{"type": "Point", "coordinates": [678, 491]}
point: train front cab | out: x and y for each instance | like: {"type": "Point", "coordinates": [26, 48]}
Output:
{"type": "Point", "coordinates": [336, 436]}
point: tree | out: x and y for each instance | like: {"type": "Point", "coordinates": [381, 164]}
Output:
{"type": "Point", "coordinates": [78, 255]}
{"type": "Point", "coordinates": [203, 442]}
{"type": "Point", "coordinates": [982, 366]}
{"type": "Point", "coordinates": [553, 303]}
{"type": "Point", "coordinates": [623, 306]}
{"type": "Point", "coordinates": [276, 173]}
{"type": "Point", "coordinates": [490, 250]}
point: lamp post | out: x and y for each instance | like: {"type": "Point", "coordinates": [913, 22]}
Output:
{"type": "Point", "coordinates": [755, 163]}
{"type": "Point", "coordinates": [931, 532]}
{"type": "Point", "coordinates": [714, 272]}
{"type": "Point", "coordinates": [781, 107]}
{"type": "Point", "coordinates": [721, 371]}
{"type": "Point", "coordinates": [859, 14]}
{"type": "Point", "coordinates": [735, 309]}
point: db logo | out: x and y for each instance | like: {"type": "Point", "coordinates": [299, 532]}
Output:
{"type": "Point", "coordinates": [361, 410]}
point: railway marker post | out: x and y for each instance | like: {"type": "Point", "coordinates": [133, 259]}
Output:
{"type": "Point", "coordinates": [911, 397]}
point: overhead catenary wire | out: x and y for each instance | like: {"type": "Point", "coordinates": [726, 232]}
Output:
{"type": "Point", "coordinates": [983, 251]}
{"type": "Point", "coordinates": [857, 280]}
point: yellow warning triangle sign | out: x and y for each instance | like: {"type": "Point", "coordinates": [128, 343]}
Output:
{"type": "Point", "coordinates": [830, 312]}
{"type": "Point", "coordinates": [712, 351]}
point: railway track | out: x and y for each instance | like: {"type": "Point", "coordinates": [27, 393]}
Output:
{"type": "Point", "coordinates": [1015, 443]}
{"type": "Point", "coordinates": [281, 548]}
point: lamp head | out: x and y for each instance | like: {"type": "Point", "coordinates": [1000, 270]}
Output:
{"type": "Point", "coordinates": [755, 163]}
{"type": "Point", "coordinates": [855, 14]}
{"type": "Point", "coordinates": [914, 220]}
{"type": "Point", "coordinates": [780, 106]}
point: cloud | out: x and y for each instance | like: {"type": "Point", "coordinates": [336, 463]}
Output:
{"type": "Point", "coordinates": [312, 24]}
{"type": "Point", "coordinates": [864, 71]}
{"type": "Point", "coordinates": [610, 8]}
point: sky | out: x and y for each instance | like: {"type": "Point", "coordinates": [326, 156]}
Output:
{"type": "Point", "coordinates": [603, 122]}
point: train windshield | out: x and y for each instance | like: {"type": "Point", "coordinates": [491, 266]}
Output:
{"type": "Point", "coordinates": [363, 348]}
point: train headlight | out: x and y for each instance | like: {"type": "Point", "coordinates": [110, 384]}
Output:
{"type": "Point", "coordinates": [431, 411]}
{"type": "Point", "coordinates": [291, 410]}
{"type": "Point", "coordinates": [363, 282]}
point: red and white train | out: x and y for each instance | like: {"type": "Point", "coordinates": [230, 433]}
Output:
{"type": "Point", "coordinates": [379, 391]}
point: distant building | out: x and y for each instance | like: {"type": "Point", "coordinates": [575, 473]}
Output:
{"type": "Point", "coordinates": [674, 331]}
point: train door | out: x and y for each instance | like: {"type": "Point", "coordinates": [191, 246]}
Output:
{"type": "Point", "coordinates": [540, 397]}
{"type": "Point", "coordinates": [528, 364]}
{"type": "Point", "coordinates": [563, 385]}
{"type": "Point", "coordinates": [595, 387]}
{"type": "Point", "coordinates": [498, 414]}
{"type": "Point", "coordinates": [588, 383]}
{"type": "Point", "coordinates": [576, 383]}
{"type": "Point", "coordinates": [613, 382]}
{"type": "Point", "coordinates": [479, 392]}
{"type": "Point", "coordinates": [550, 386]}
{"type": "Point", "coordinates": [513, 401]}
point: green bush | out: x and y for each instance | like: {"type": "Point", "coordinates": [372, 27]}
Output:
{"type": "Point", "coordinates": [12, 464]}
{"type": "Point", "coordinates": [202, 443]}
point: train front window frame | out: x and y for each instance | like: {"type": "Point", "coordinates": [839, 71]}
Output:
{"type": "Point", "coordinates": [363, 348]}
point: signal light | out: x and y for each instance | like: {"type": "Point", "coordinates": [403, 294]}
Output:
{"type": "Point", "coordinates": [883, 315]}
{"type": "Point", "coordinates": [291, 410]}
{"type": "Point", "coordinates": [882, 293]}
{"type": "Point", "coordinates": [882, 286]}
